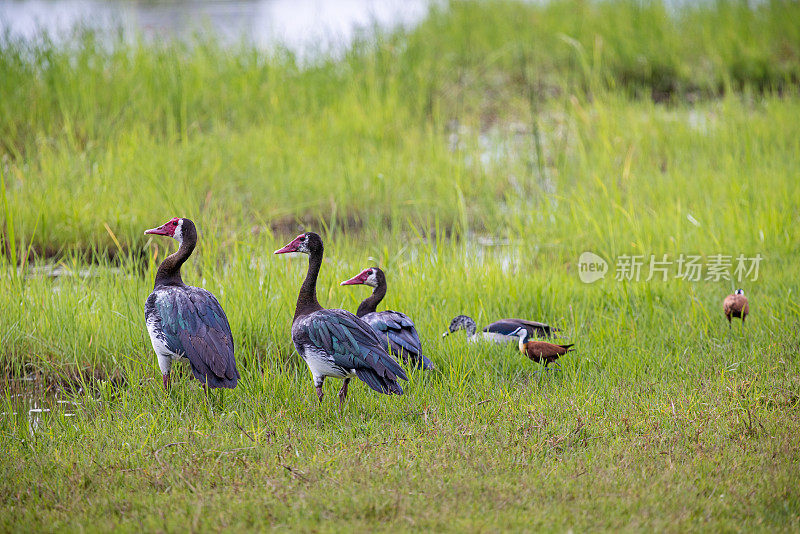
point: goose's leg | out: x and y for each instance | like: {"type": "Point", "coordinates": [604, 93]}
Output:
{"type": "Point", "coordinates": [343, 392]}
{"type": "Point", "coordinates": [320, 393]}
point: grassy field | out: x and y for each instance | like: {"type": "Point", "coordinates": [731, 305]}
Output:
{"type": "Point", "coordinates": [474, 158]}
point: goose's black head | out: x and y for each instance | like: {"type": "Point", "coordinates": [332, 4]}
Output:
{"type": "Point", "coordinates": [177, 228]}
{"type": "Point", "coordinates": [307, 243]}
{"type": "Point", "coordinates": [459, 322]}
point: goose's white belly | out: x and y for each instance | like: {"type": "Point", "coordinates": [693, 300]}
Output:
{"type": "Point", "coordinates": [321, 365]}
{"type": "Point", "coordinates": [165, 356]}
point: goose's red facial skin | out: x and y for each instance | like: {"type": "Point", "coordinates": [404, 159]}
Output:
{"type": "Point", "coordinates": [291, 247]}
{"type": "Point", "coordinates": [360, 278]}
{"type": "Point", "coordinates": [167, 228]}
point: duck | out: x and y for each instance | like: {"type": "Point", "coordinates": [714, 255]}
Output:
{"type": "Point", "coordinates": [501, 331]}
{"type": "Point", "coordinates": [333, 342]}
{"type": "Point", "coordinates": [736, 305]}
{"type": "Point", "coordinates": [396, 330]}
{"type": "Point", "coordinates": [187, 323]}
{"type": "Point", "coordinates": [540, 351]}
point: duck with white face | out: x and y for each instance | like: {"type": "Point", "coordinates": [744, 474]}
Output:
{"type": "Point", "coordinates": [736, 305]}
{"type": "Point", "coordinates": [396, 329]}
{"type": "Point", "coordinates": [187, 322]}
{"type": "Point", "coordinates": [540, 351]}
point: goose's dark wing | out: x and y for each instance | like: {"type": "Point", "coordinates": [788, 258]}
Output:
{"type": "Point", "coordinates": [400, 334]}
{"type": "Point", "coordinates": [351, 344]}
{"type": "Point", "coordinates": [194, 325]}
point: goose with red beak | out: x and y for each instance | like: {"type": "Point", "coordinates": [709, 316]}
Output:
{"type": "Point", "coordinates": [186, 322]}
{"type": "Point", "coordinates": [336, 343]}
{"type": "Point", "coordinates": [396, 330]}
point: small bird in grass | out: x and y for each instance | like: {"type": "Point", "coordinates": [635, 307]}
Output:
{"type": "Point", "coordinates": [736, 305]}
{"type": "Point", "coordinates": [540, 351]}
{"type": "Point", "coordinates": [334, 342]}
{"type": "Point", "coordinates": [501, 331]}
{"type": "Point", "coordinates": [185, 322]}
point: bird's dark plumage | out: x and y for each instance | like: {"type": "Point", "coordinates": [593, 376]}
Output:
{"type": "Point", "coordinates": [507, 326]}
{"type": "Point", "coordinates": [338, 340]}
{"type": "Point", "coordinates": [400, 335]}
{"type": "Point", "coordinates": [191, 323]}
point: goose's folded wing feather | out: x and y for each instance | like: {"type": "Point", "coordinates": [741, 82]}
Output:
{"type": "Point", "coordinates": [195, 326]}
{"type": "Point", "coordinates": [401, 334]}
{"type": "Point", "coordinates": [398, 328]}
{"type": "Point", "coordinates": [351, 344]}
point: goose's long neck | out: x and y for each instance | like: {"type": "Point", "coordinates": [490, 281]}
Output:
{"type": "Point", "coordinates": [307, 298]}
{"type": "Point", "coordinates": [370, 304]}
{"type": "Point", "coordinates": [169, 272]}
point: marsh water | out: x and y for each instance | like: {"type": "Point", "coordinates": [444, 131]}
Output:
{"type": "Point", "coordinates": [301, 25]}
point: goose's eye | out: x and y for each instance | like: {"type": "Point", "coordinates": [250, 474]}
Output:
{"type": "Point", "coordinates": [174, 223]}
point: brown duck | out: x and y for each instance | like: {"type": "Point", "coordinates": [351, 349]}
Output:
{"type": "Point", "coordinates": [736, 305]}
{"type": "Point", "coordinates": [540, 351]}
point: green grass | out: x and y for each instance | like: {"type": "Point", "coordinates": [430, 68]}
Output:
{"type": "Point", "coordinates": [543, 128]}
